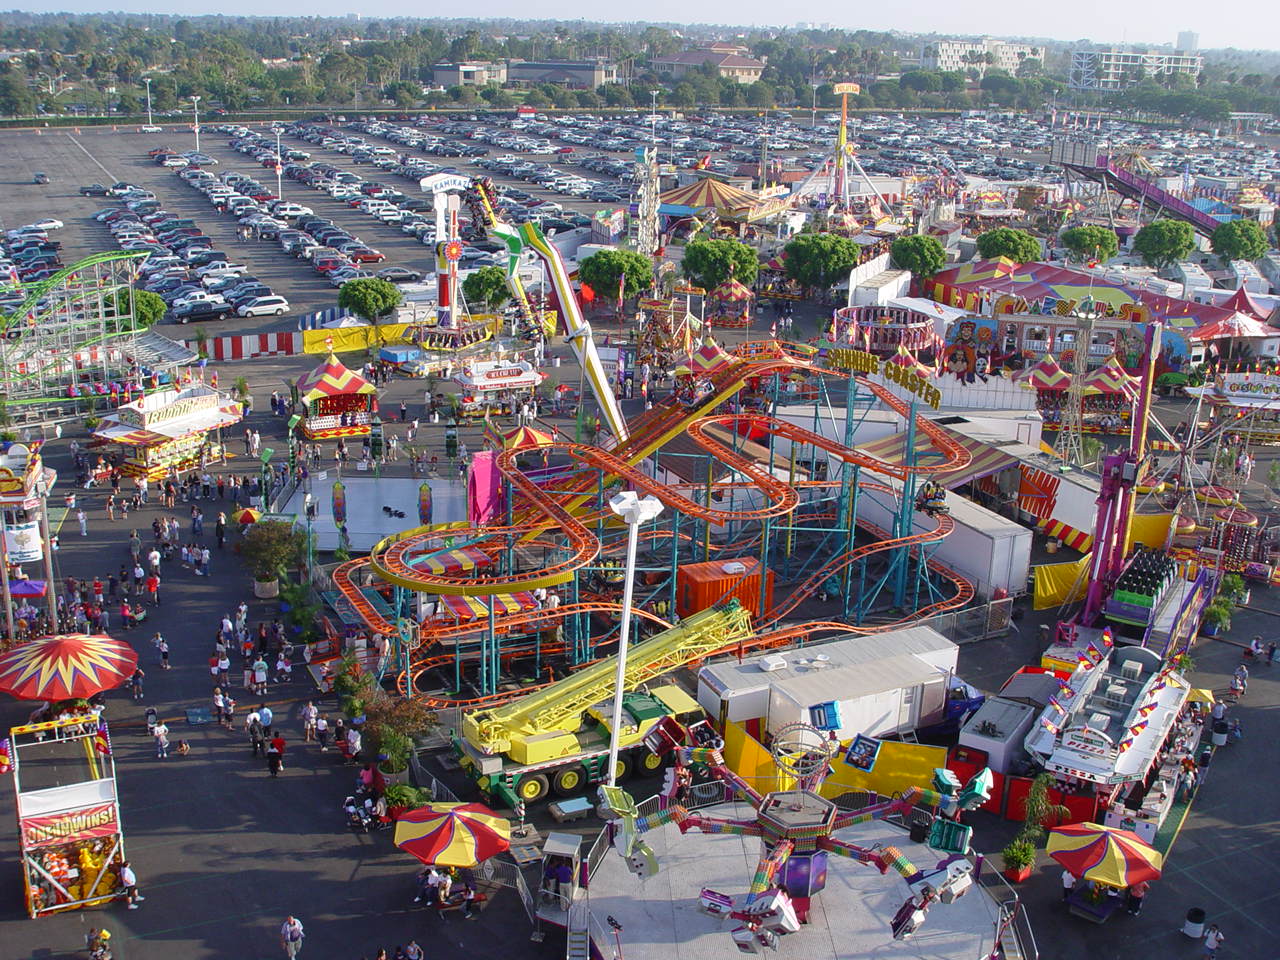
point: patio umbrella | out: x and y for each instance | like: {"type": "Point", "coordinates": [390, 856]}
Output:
{"type": "Point", "coordinates": [1117, 858]}
{"type": "Point", "coordinates": [564, 388]}
{"type": "Point", "coordinates": [66, 666]}
{"type": "Point", "coordinates": [453, 834]}
{"type": "Point", "coordinates": [525, 438]}
{"type": "Point", "coordinates": [247, 515]}
{"type": "Point", "coordinates": [27, 588]}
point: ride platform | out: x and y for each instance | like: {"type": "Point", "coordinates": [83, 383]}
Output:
{"type": "Point", "coordinates": [661, 920]}
{"type": "Point", "coordinates": [367, 523]}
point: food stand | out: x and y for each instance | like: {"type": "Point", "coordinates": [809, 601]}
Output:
{"type": "Point", "coordinates": [336, 402]}
{"type": "Point", "coordinates": [169, 430]}
{"type": "Point", "coordinates": [495, 386]}
{"type": "Point", "coordinates": [70, 833]}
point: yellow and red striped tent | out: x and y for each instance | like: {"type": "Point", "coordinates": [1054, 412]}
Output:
{"type": "Point", "coordinates": [708, 194]}
{"type": "Point", "coordinates": [1045, 375]}
{"type": "Point", "coordinates": [450, 562]}
{"type": "Point", "coordinates": [477, 608]}
{"type": "Point", "coordinates": [1111, 379]}
{"type": "Point", "coordinates": [331, 379]}
{"type": "Point", "coordinates": [525, 438]}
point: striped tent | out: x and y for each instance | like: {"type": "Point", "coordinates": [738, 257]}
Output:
{"type": "Point", "coordinates": [731, 291]}
{"type": "Point", "coordinates": [442, 563]}
{"type": "Point", "coordinates": [705, 360]}
{"type": "Point", "coordinates": [1112, 380]}
{"type": "Point", "coordinates": [903, 358]}
{"type": "Point", "coordinates": [706, 194]}
{"type": "Point", "coordinates": [477, 608]}
{"type": "Point", "coordinates": [1045, 375]}
{"type": "Point", "coordinates": [331, 379]}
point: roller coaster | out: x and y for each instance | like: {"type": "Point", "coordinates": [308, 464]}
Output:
{"type": "Point", "coordinates": [555, 533]}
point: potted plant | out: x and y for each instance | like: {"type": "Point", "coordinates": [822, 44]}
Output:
{"type": "Point", "coordinates": [394, 750]}
{"type": "Point", "coordinates": [1040, 810]}
{"type": "Point", "coordinates": [267, 548]}
{"type": "Point", "coordinates": [402, 797]}
{"type": "Point", "coordinates": [1234, 589]}
{"type": "Point", "coordinates": [1216, 618]}
{"type": "Point", "coordinates": [1018, 856]}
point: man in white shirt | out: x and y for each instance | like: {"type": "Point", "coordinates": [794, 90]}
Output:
{"type": "Point", "coordinates": [129, 884]}
{"type": "Point", "coordinates": [291, 934]}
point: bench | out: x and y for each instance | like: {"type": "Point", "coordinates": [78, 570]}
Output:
{"type": "Point", "coordinates": [575, 808]}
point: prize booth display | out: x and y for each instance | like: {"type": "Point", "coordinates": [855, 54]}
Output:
{"type": "Point", "coordinates": [70, 833]}
{"type": "Point", "coordinates": [169, 431]}
{"type": "Point", "coordinates": [495, 386]}
{"type": "Point", "coordinates": [336, 402]}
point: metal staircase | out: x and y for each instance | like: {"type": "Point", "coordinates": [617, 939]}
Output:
{"type": "Point", "coordinates": [578, 938]}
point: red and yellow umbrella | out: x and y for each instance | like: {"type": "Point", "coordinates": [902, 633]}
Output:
{"type": "Point", "coordinates": [247, 515]}
{"type": "Point", "coordinates": [1117, 858]}
{"type": "Point", "coordinates": [453, 834]}
{"type": "Point", "coordinates": [66, 666]}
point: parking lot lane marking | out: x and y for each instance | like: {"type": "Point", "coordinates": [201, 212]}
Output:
{"type": "Point", "coordinates": [110, 175]}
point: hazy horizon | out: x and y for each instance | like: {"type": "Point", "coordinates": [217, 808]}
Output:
{"type": "Point", "coordinates": [1236, 25]}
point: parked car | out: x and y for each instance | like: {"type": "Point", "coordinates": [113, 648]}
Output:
{"type": "Point", "coordinates": [200, 310]}
{"type": "Point", "coordinates": [40, 177]}
{"type": "Point", "coordinates": [93, 190]}
{"type": "Point", "coordinates": [264, 307]}
{"type": "Point", "coordinates": [399, 275]}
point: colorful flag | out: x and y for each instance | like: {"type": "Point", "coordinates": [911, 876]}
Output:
{"type": "Point", "coordinates": [1107, 639]}
{"type": "Point", "coordinates": [1093, 651]}
{"type": "Point", "coordinates": [1147, 710]}
{"type": "Point", "coordinates": [1049, 725]}
{"type": "Point", "coordinates": [773, 329]}
{"type": "Point", "coordinates": [102, 739]}
{"type": "Point", "coordinates": [1159, 686]}
{"type": "Point", "coordinates": [1125, 744]}
{"type": "Point", "coordinates": [1137, 728]}
{"type": "Point", "coordinates": [1065, 688]}
{"type": "Point", "coordinates": [6, 762]}
{"type": "Point", "coordinates": [1053, 702]}
{"type": "Point", "coordinates": [622, 286]}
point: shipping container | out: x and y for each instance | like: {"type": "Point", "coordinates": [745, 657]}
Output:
{"type": "Point", "coordinates": [702, 585]}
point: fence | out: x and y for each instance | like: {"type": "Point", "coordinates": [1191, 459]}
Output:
{"type": "Point", "coordinates": [1012, 923]}
{"type": "Point", "coordinates": [425, 780]}
{"type": "Point", "coordinates": [982, 622]}
{"type": "Point", "coordinates": [509, 875]}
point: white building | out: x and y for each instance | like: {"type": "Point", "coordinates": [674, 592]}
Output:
{"type": "Point", "coordinates": [1114, 69]}
{"type": "Point", "coordinates": [948, 55]}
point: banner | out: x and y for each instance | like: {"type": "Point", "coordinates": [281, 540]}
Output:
{"type": "Point", "coordinates": [22, 542]}
{"type": "Point", "coordinates": [82, 824]}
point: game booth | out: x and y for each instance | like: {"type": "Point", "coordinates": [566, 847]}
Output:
{"type": "Point", "coordinates": [495, 386]}
{"type": "Point", "coordinates": [170, 430]}
{"type": "Point", "coordinates": [336, 402]}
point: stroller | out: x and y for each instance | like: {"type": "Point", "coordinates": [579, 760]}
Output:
{"type": "Point", "coordinates": [152, 718]}
{"type": "Point", "coordinates": [361, 817]}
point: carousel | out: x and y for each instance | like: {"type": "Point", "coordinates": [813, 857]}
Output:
{"type": "Point", "coordinates": [336, 402]}
{"type": "Point", "coordinates": [170, 430]}
{"type": "Point", "coordinates": [730, 305]}
{"type": "Point", "coordinates": [884, 330]}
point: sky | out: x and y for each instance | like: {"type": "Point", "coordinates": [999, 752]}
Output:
{"type": "Point", "coordinates": [1227, 23]}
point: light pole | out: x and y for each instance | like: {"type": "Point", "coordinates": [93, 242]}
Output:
{"type": "Point", "coordinates": [147, 81]}
{"type": "Point", "coordinates": [813, 114]}
{"type": "Point", "coordinates": [633, 511]}
{"type": "Point", "coordinates": [653, 122]}
{"type": "Point", "coordinates": [279, 168]}
{"type": "Point", "coordinates": [195, 110]}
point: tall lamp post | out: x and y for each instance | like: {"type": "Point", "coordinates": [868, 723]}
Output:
{"type": "Point", "coordinates": [279, 168]}
{"type": "Point", "coordinates": [634, 511]}
{"type": "Point", "coordinates": [195, 110]}
{"type": "Point", "coordinates": [653, 122]}
{"type": "Point", "coordinates": [147, 81]}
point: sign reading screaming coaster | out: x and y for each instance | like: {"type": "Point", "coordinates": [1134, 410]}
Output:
{"type": "Point", "coordinates": [82, 824]}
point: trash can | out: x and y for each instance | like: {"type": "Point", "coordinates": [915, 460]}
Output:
{"type": "Point", "coordinates": [1220, 731]}
{"type": "Point", "coordinates": [1194, 927]}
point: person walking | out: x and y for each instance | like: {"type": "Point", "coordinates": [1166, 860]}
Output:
{"type": "Point", "coordinates": [83, 520]}
{"type": "Point", "coordinates": [260, 676]}
{"type": "Point", "coordinates": [291, 934]}
{"type": "Point", "coordinates": [129, 885]}
{"type": "Point", "coordinates": [161, 732]}
{"type": "Point", "coordinates": [275, 753]}
{"type": "Point", "coordinates": [1213, 938]}
{"type": "Point", "coordinates": [1137, 893]}
{"type": "Point", "coordinates": [1068, 883]}
{"type": "Point", "coordinates": [163, 646]}
{"type": "Point", "coordinates": [135, 683]}
{"type": "Point", "coordinates": [153, 589]}
{"type": "Point", "coordinates": [310, 713]}
{"type": "Point", "coordinates": [257, 735]}
{"type": "Point", "coordinates": [322, 733]}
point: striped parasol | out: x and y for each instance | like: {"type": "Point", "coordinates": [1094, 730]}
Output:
{"type": "Point", "coordinates": [247, 515]}
{"type": "Point", "coordinates": [1046, 375]}
{"type": "Point", "coordinates": [525, 438]}
{"type": "Point", "coordinates": [66, 666]}
{"type": "Point", "coordinates": [453, 834]}
{"type": "Point", "coordinates": [1112, 379]}
{"type": "Point", "coordinates": [1117, 858]}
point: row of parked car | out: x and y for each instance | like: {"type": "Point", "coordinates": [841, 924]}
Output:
{"type": "Point", "coordinates": [28, 256]}
{"type": "Point", "coordinates": [196, 280]}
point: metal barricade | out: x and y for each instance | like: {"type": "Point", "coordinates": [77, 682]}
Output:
{"type": "Point", "coordinates": [982, 622]}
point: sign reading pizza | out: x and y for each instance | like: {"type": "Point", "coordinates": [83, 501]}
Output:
{"type": "Point", "coordinates": [83, 824]}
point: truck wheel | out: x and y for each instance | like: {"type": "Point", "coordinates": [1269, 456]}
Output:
{"type": "Point", "coordinates": [625, 766]}
{"type": "Point", "coordinates": [532, 788]}
{"type": "Point", "coordinates": [650, 763]}
{"type": "Point", "coordinates": [569, 780]}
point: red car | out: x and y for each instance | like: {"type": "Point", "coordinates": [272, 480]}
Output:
{"type": "Point", "coordinates": [564, 150]}
{"type": "Point", "coordinates": [327, 265]}
{"type": "Point", "coordinates": [366, 255]}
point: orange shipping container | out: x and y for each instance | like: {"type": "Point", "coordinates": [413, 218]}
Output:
{"type": "Point", "coordinates": [702, 585]}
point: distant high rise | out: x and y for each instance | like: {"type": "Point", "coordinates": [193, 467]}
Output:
{"type": "Point", "coordinates": [1188, 41]}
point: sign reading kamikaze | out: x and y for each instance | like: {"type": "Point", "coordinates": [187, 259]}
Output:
{"type": "Point", "coordinates": [82, 824]}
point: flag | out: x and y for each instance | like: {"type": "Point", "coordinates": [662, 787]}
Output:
{"type": "Point", "coordinates": [6, 762]}
{"type": "Point", "coordinates": [703, 163]}
{"type": "Point", "coordinates": [937, 308]}
{"type": "Point", "coordinates": [1093, 651]}
{"type": "Point", "coordinates": [1084, 660]}
{"type": "Point", "coordinates": [1159, 686]}
{"type": "Point", "coordinates": [102, 739]}
{"type": "Point", "coordinates": [622, 286]}
{"type": "Point", "coordinates": [1125, 744]}
{"type": "Point", "coordinates": [1053, 702]}
{"type": "Point", "coordinates": [1049, 725]}
{"type": "Point", "coordinates": [14, 278]}
{"type": "Point", "coordinates": [773, 329]}
{"type": "Point", "coordinates": [1107, 640]}
{"type": "Point", "coordinates": [1147, 710]}
{"type": "Point", "coordinates": [1137, 728]}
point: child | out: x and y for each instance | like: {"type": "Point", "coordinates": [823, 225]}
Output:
{"type": "Point", "coordinates": [183, 748]}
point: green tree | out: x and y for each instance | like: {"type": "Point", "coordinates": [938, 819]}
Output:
{"type": "Point", "coordinates": [1017, 245]}
{"type": "Point", "coordinates": [148, 307]}
{"type": "Point", "coordinates": [602, 271]}
{"type": "Point", "coordinates": [820, 260]}
{"type": "Point", "coordinates": [1090, 242]}
{"type": "Point", "coordinates": [921, 254]}
{"type": "Point", "coordinates": [1163, 243]}
{"type": "Point", "coordinates": [370, 298]}
{"type": "Point", "coordinates": [1239, 240]}
{"type": "Point", "coordinates": [709, 263]}
{"type": "Point", "coordinates": [486, 286]}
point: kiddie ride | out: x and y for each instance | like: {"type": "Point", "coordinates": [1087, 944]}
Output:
{"type": "Point", "coordinates": [797, 828]}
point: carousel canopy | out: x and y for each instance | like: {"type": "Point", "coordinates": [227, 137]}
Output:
{"type": "Point", "coordinates": [65, 667]}
{"type": "Point", "coordinates": [331, 379]}
{"type": "Point", "coordinates": [706, 359]}
{"type": "Point", "coordinates": [525, 438]}
{"type": "Point", "coordinates": [1046, 375]}
{"type": "Point", "coordinates": [1237, 326]}
{"type": "Point", "coordinates": [1112, 380]}
{"type": "Point", "coordinates": [708, 194]}
{"type": "Point", "coordinates": [731, 291]}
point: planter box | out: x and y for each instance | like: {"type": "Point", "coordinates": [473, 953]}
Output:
{"type": "Point", "coordinates": [1017, 876]}
{"type": "Point", "coordinates": [390, 778]}
{"type": "Point", "coordinates": [265, 590]}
